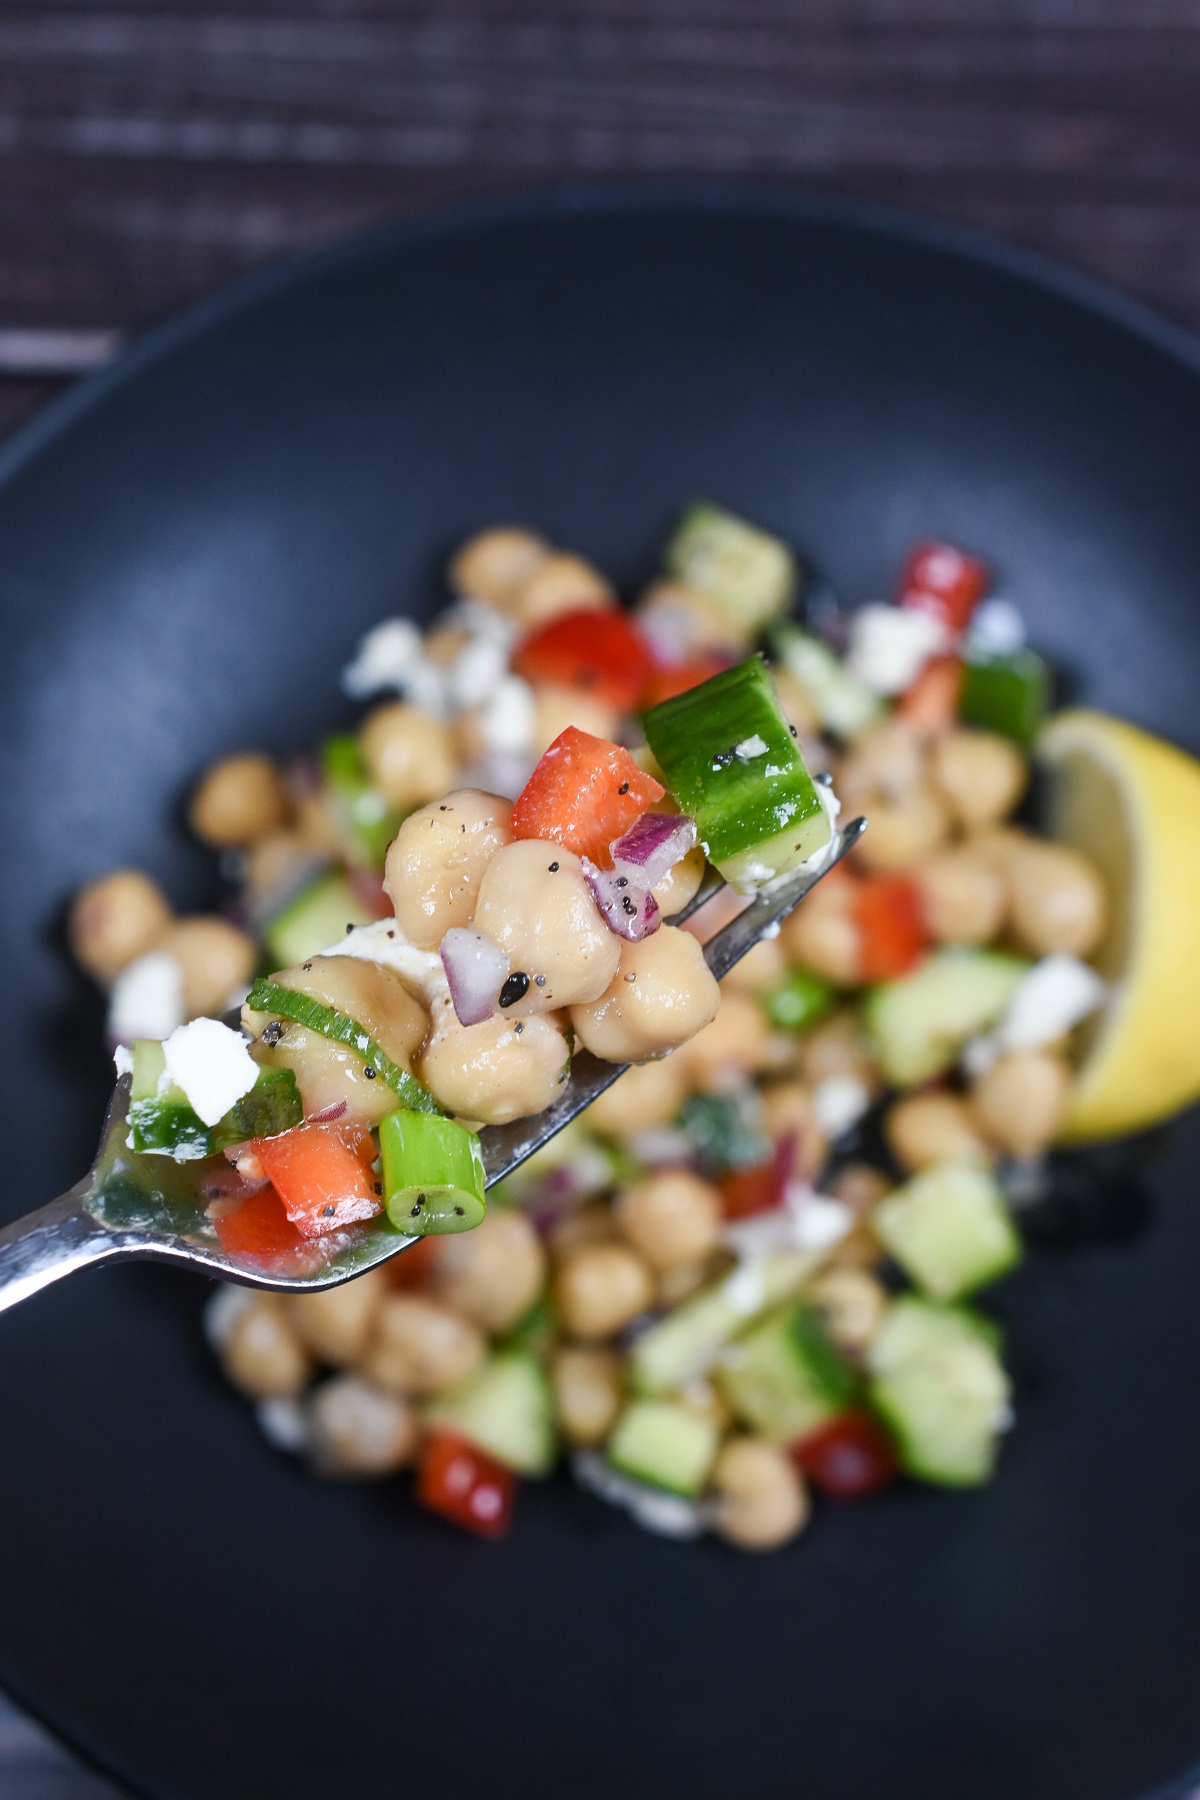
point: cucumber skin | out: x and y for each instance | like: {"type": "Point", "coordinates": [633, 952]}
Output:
{"type": "Point", "coordinates": [737, 807]}
{"type": "Point", "coordinates": [692, 1336]}
{"type": "Point", "coordinates": [976, 1335]}
{"type": "Point", "coordinates": [917, 1223]}
{"type": "Point", "coordinates": [504, 1409]}
{"type": "Point", "coordinates": [664, 1445]}
{"type": "Point", "coordinates": [286, 1003]}
{"type": "Point", "coordinates": [316, 918]}
{"type": "Point", "coordinates": [166, 1125]}
{"type": "Point", "coordinates": [707, 540]}
{"type": "Point", "coordinates": [784, 1377]}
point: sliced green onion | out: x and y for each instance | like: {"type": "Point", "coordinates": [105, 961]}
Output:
{"type": "Point", "coordinates": [799, 1001]}
{"type": "Point", "coordinates": [369, 822]}
{"type": "Point", "coordinates": [272, 997]}
{"type": "Point", "coordinates": [432, 1174]}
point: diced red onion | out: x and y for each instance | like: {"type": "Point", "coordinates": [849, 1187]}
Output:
{"type": "Point", "coordinates": [476, 969]}
{"type": "Point", "coordinates": [652, 847]}
{"type": "Point", "coordinates": [327, 1114]}
{"type": "Point", "coordinates": [627, 907]}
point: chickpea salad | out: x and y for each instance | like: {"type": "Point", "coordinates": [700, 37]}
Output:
{"type": "Point", "coordinates": [749, 1272]}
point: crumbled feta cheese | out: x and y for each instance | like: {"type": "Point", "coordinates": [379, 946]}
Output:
{"type": "Point", "coordinates": [838, 1103]}
{"type": "Point", "coordinates": [222, 1310]}
{"type": "Point", "coordinates": [509, 718]}
{"type": "Point", "coordinates": [382, 941]}
{"type": "Point", "coordinates": [284, 1424]}
{"type": "Point", "coordinates": [212, 1065]}
{"type": "Point", "coordinates": [1051, 999]}
{"type": "Point", "coordinates": [383, 660]}
{"type": "Point", "coordinates": [749, 748]}
{"type": "Point", "coordinates": [476, 671]}
{"type": "Point", "coordinates": [746, 1289]}
{"type": "Point", "coordinates": [996, 629]}
{"type": "Point", "coordinates": [123, 1060]}
{"type": "Point", "coordinates": [660, 1147]}
{"type": "Point", "coordinates": [670, 1515]}
{"type": "Point", "coordinates": [805, 1220]}
{"type": "Point", "coordinates": [889, 645]}
{"type": "Point", "coordinates": [146, 999]}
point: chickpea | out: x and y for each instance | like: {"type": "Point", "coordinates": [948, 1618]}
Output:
{"type": "Point", "coordinates": [493, 565]}
{"type": "Point", "coordinates": [788, 1111]}
{"type": "Point", "coordinates": [335, 1323]}
{"type": "Point", "coordinates": [851, 1303]}
{"type": "Point", "coordinates": [216, 959]}
{"type": "Point", "coordinates": [981, 774]}
{"type": "Point", "coordinates": [492, 1275]}
{"type": "Point", "coordinates": [600, 1288]}
{"type": "Point", "coordinates": [238, 800]}
{"type": "Point", "coordinates": [703, 1398]}
{"type": "Point", "coordinates": [679, 1283]}
{"type": "Point", "coordinates": [535, 903]}
{"type": "Point", "coordinates": [822, 934]}
{"type": "Point", "coordinates": [680, 884]}
{"type": "Point", "coordinates": [761, 1497]}
{"type": "Point", "coordinates": [276, 862]}
{"type": "Point", "coordinates": [587, 1392]}
{"type": "Point", "coordinates": [861, 1187]}
{"type": "Point", "coordinates": [503, 1069]}
{"type": "Point", "coordinates": [317, 827]}
{"type": "Point", "coordinates": [905, 831]}
{"type": "Point", "coordinates": [836, 1047]}
{"type": "Point", "coordinates": [735, 1045]}
{"type": "Point", "coordinates": [409, 756]}
{"type": "Point", "coordinates": [437, 860]}
{"type": "Point", "coordinates": [671, 1217]}
{"type": "Point", "coordinates": [556, 706]}
{"type": "Point", "coordinates": [687, 621]}
{"type": "Point", "coordinates": [1058, 902]}
{"type": "Point", "coordinates": [560, 584]}
{"type": "Point", "coordinates": [263, 1355]}
{"type": "Point", "coordinates": [1020, 1101]}
{"type": "Point", "coordinates": [885, 763]}
{"type": "Point", "coordinates": [760, 969]}
{"type": "Point", "coordinates": [421, 1347]}
{"type": "Point", "coordinates": [115, 920]}
{"type": "Point", "coordinates": [580, 1229]}
{"type": "Point", "coordinates": [964, 896]}
{"type": "Point", "coordinates": [662, 994]}
{"type": "Point", "coordinates": [359, 1430]}
{"type": "Point", "coordinates": [927, 1128]}
{"type": "Point", "coordinates": [645, 1098]}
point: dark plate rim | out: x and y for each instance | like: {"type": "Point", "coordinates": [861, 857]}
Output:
{"type": "Point", "coordinates": [762, 197]}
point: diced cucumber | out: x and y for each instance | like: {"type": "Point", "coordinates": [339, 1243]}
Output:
{"type": "Point", "coordinates": [667, 1445]}
{"type": "Point", "coordinates": [316, 918]}
{"type": "Point", "coordinates": [844, 704]}
{"type": "Point", "coordinates": [919, 1024]}
{"type": "Point", "coordinates": [328, 1022]}
{"type": "Point", "coordinates": [691, 1337]}
{"type": "Point", "coordinates": [731, 761]}
{"type": "Point", "coordinates": [505, 1409]}
{"type": "Point", "coordinates": [751, 575]}
{"type": "Point", "coordinates": [1006, 692]}
{"type": "Point", "coordinates": [950, 1228]}
{"type": "Point", "coordinates": [937, 1380]}
{"type": "Point", "coordinates": [432, 1174]}
{"type": "Point", "coordinates": [368, 824]}
{"type": "Point", "coordinates": [784, 1377]}
{"type": "Point", "coordinates": [799, 1001]}
{"type": "Point", "coordinates": [162, 1120]}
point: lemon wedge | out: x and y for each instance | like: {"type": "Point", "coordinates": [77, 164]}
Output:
{"type": "Point", "coordinates": [1132, 804]}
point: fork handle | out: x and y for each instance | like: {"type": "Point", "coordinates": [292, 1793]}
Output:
{"type": "Point", "coordinates": [45, 1245]}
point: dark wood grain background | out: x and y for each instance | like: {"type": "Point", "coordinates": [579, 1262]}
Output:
{"type": "Point", "coordinates": [151, 149]}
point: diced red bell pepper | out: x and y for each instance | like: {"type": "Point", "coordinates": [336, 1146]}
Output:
{"type": "Point", "coordinates": [930, 705]}
{"type": "Point", "coordinates": [848, 1458]}
{"type": "Point", "coordinates": [463, 1485]}
{"type": "Point", "coordinates": [939, 578]}
{"type": "Point", "coordinates": [891, 929]}
{"type": "Point", "coordinates": [584, 793]}
{"type": "Point", "coordinates": [759, 1189]}
{"type": "Point", "coordinates": [412, 1268]}
{"type": "Point", "coordinates": [665, 684]}
{"type": "Point", "coordinates": [322, 1173]}
{"type": "Point", "coordinates": [258, 1227]}
{"type": "Point", "coordinates": [601, 652]}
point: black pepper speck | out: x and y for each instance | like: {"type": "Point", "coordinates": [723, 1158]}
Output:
{"type": "Point", "coordinates": [515, 988]}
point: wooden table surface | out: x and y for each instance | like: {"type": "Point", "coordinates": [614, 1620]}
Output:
{"type": "Point", "coordinates": [153, 148]}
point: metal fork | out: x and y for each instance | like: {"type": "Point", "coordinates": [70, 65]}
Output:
{"type": "Point", "coordinates": [79, 1229]}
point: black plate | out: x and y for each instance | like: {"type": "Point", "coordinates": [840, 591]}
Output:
{"type": "Point", "coordinates": [188, 548]}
